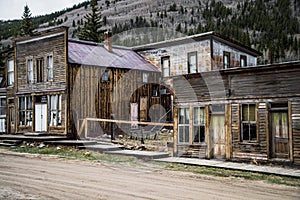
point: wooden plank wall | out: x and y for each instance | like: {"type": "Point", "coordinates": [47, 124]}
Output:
{"type": "Point", "coordinates": [265, 83]}
{"type": "Point", "coordinates": [296, 131]}
{"type": "Point", "coordinates": [41, 49]}
{"type": "Point", "coordinates": [91, 97]}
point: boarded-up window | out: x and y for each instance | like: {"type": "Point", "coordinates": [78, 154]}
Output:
{"type": "Point", "coordinates": [183, 125]}
{"type": "Point", "coordinates": [199, 125]}
{"type": "Point", "coordinates": [39, 70]}
{"type": "Point", "coordinates": [29, 71]}
{"type": "Point", "coordinates": [192, 62]}
{"type": "Point", "coordinates": [165, 62]}
{"type": "Point", "coordinates": [248, 122]}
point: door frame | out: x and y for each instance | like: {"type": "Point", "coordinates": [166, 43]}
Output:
{"type": "Point", "coordinates": [271, 147]}
{"type": "Point", "coordinates": [46, 118]}
{"type": "Point", "coordinates": [213, 113]}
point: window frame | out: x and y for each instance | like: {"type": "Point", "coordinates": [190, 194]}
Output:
{"type": "Point", "coordinates": [155, 91]}
{"type": "Point", "coordinates": [105, 75]}
{"type": "Point", "coordinates": [243, 58]}
{"type": "Point", "coordinates": [10, 72]}
{"type": "Point", "coordinates": [50, 71]}
{"type": "Point", "coordinates": [165, 58]}
{"type": "Point", "coordinates": [226, 54]}
{"type": "Point", "coordinates": [55, 112]}
{"type": "Point", "coordinates": [29, 71]}
{"type": "Point", "coordinates": [200, 124]}
{"type": "Point", "coordinates": [249, 123]}
{"type": "Point", "coordinates": [145, 77]}
{"type": "Point", "coordinates": [28, 111]}
{"type": "Point", "coordinates": [3, 107]}
{"type": "Point", "coordinates": [39, 70]}
{"type": "Point", "coordinates": [190, 54]}
{"type": "Point", "coordinates": [184, 126]}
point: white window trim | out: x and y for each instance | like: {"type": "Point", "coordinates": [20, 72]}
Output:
{"type": "Point", "coordinates": [27, 70]}
{"type": "Point", "coordinates": [184, 125]}
{"type": "Point", "coordinates": [50, 68]}
{"type": "Point", "coordinates": [10, 71]}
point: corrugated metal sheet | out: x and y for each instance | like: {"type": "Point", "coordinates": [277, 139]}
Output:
{"type": "Point", "coordinates": [97, 55]}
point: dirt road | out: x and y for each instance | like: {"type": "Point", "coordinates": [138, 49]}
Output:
{"type": "Point", "coordinates": [44, 177]}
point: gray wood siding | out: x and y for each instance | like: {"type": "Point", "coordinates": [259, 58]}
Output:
{"type": "Point", "coordinates": [266, 83]}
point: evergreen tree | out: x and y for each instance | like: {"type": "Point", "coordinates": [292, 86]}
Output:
{"type": "Point", "coordinates": [26, 23]}
{"type": "Point", "coordinates": [91, 29]}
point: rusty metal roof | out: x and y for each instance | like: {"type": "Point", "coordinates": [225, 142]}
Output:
{"type": "Point", "coordinates": [89, 53]}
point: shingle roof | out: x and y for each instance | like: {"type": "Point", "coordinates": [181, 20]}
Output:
{"type": "Point", "coordinates": [88, 53]}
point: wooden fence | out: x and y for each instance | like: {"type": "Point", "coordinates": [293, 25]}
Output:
{"type": "Point", "coordinates": [84, 125]}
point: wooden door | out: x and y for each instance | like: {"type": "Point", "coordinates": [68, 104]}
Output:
{"type": "Point", "coordinates": [40, 117]}
{"type": "Point", "coordinates": [279, 135]}
{"type": "Point", "coordinates": [217, 136]}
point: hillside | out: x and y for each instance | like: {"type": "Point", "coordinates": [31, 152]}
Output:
{"type": "Point", "coordinates": [272, 27]}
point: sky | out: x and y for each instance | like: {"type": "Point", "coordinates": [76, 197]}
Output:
{"type": "Point", "coordinates": [13, 9]}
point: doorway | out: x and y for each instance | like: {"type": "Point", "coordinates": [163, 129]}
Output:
{"type": "Point", "coordinates": [217, 132]}
{"type": "Point", "coordinates": [40, 117]}
{"type": "Point", "coordinates": [11, 120]}
{"type": "Point", "coordinates": [279, 134]}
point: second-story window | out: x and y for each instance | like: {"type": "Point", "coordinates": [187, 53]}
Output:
{"type": "Point", "coordinates": [50, 68]}
{"type": "Point", "coordinates": [243, 61]}
{"type": "Point", "coordinates": [192, 62]}
{"type": "Point", "coordinates": [165, 63]}
{"type": "Point", "coordinates": [145, 77]}
{"type": "Point", "coordinates": [226, 59]}
{"type": "Point", "coordinates": [10, 72]}
{"type": "Point", "coordinates": [39, 70]}
{"type": "Point", "coordinates": [29, 71]}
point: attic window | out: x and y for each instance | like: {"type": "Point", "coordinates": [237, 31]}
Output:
{"type": "Point", "coordinates": [226, 59]}
{"type": "Point", "coordinates": [105, 75]}
{"type": "Point", "coordinates": [145, 77]}
{"type": "Point", "coordinates": [243, 61]}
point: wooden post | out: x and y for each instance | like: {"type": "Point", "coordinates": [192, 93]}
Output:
{"type": "Point", "coordinates": [175, 131]}
{"type": "Point", "coordinates": [86, 128]}
{"type": "Point", "coordinates": [228, 131]}
{"type": "Point", "coordinates": [207, 135]}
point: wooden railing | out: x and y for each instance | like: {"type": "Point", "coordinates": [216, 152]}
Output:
{"type": "Point", "coordinates": [84, 125]}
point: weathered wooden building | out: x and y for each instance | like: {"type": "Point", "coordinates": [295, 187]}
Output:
{"type": "Point", "coordinates": [239, 113]}
{"type": "Point", "coordinates": [108, 80]}
{"type": "Point", "coordinates": [225, 106]}
{"type": "Point", "coordinates": [53, 83]}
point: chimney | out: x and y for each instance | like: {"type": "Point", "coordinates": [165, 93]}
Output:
{"type": "Point", "coordinates": [107, 40]}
